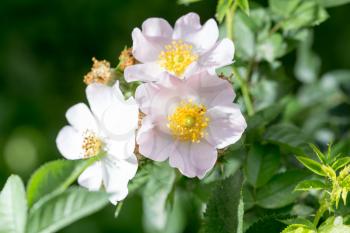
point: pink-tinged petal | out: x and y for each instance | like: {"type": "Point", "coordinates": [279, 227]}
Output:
{"type": "Point", "coordinates": [194, 159]}
{"type": "Point", "coordinates": [226, 125]}
{"type": "Point", "coordinates": [212, 90]}
{"type": "Point", "coordinates": [69, 143]}
{"type": "Point", "coordinates": [154, 143]}
{"type": "Point", "coordinates": [148, 72]}
{"type": "Point", "coordinates": [159, 99]}
{"type": "Point", "coordinates": [116, 178]}
{"type": "Point", "coordinates": [189, 29]}
{"type": "Point", "coordinates": [147, 49]}
{"type": "Point", "coordinates": [157, 27]}
{"type": "Point", "coordinates": [220, 55]}
{"type": "Point", "coordinates": [81, 118]}
{"type": "Point", "coordinates": [91, 178]}
{"type": "Point", "coordinates": [187, 23]}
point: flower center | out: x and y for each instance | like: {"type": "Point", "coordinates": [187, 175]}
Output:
{"type": "Point", "coordinates": [188, 122]}
{"type": "Point", "coordinates": [92, 145]}
{"type": "Point", "coordinates": [176, 57]}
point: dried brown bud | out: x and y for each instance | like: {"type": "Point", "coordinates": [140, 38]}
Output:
{"type": "Point", "coordinates": [100, 72]}
{"type": "Point", "coordinates": [126, 59]}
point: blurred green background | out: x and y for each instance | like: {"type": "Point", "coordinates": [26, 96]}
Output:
{"type": "Point", "coordinates": [46, 48]}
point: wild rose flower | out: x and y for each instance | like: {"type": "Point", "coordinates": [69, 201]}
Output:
{"type": "Point", "coordinates": [187, 121]}
{"type": "Point", "coordinates": [187, 49]}
{"type": "Point", "coordinates": [108, 128]}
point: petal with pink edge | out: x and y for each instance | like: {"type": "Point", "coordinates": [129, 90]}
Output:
{"type": "Point", "coordinates": [147, 49]}
{"type": "Point", "coordinates": [220, 55]}
{"type": "Point", "coordinates": [154, 143]}
{"type": "Point", "coordinates": [226, 126]}
{"type": "Point", "coordinates": [157, 27]}
{"type": "Point", "coordinates": [194, 159]}
{"type": "Point", "coordinates": [148, 72]}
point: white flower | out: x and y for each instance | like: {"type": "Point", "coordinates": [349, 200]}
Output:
{"type": "Point", "coordinates": [108, 128]}
{"type": "Point", "coordinates": [186, 121]}
{"type": "Point", "coordinates": [187, 49]}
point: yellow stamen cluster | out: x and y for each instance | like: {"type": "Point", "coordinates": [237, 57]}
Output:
{"type": "Point", "coordinates": [176, 57]}
{"type": "Point", "coordinates": [100, 72]}
{"type": "Point", "coordinates": [92, 145]}
{"type": "Point", "coordinates": [188, 122]}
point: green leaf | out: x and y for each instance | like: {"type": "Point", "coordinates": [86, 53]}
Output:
{"type": "Point", "coordinates": [339, 163]}
{"type": "Point", "coordinates": [243, 5]}
{"type": "Point", "coordinates": [279, 191]}
{"type": "Point", "coordinates": [265, 116]}
{"type": "Point", "coordinates": [271, 48]}
{"type": "Point", "coordinates": [60, 210]}
{"type": "Point", "coordinates": [55, 176]}
{"type": "Point", "coordinates": [307, 185]}
{"type": "Point", "coordinates": [13, 206]}
{"type": "Point", "coordinates": [319, 154]}
{"type": "Point", "coordinates": [308, 64]}
{"type": "Point", "coordinates": [221, 9]}
{"type": "Point", "coordinates": [334, 225]}
{"type": "Point", "coordinates": [298, 228]}
{"type": "Point", "coordinates": [284, 8]}
{"type": "Point", "coordinates": [308, 13]}
{"type": "Point", "coordinates": [261, 164]}
{"type": "Point", "coordinates": [312, 165]}
{"type": "Point", "coordinates": [225, 210]}
{"type": "Point", "coordinates": [187, 2]}
{"type": "Point", "coordinates": [333, 3]}
{"type": "Point", "coordinates": [288, 136]}
{"type": "Point", "coordinates": [268, 224]}
{"type": "Point", "coordinates": [155, 196]}
{"type": "Point", "coordinates": [244, 35]}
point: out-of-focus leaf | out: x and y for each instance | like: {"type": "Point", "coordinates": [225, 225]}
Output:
{"type": "Point", "coordinates": [334, 225]}
{"type": "Point", "coordinates": [296, 228]}
{"type": "Point", "coordinates": [307, 185]}
{"type": "Point", "coordinates": [187, 2]}
{"type": "Point", "coordinates": [261, 164]}
{"type": "Point", "coordinates": [155, 195]}
{"type": "Point", "coordinates": [55, 176]}
{"type": "Point", "coordinates": [245, 42]}
{"type": "Point", "coordinates": [279, 191]}
{"type": "Point", "coordinates": [333, 3]}
{"type": "Point", "coordinates": [312, 165]}
{"type": "Point", "coordinates": [60, 210]}
{"type": "Point", "coordinates": [339, 163]}
{"type": "Point", "coordinates": [284, 8]}
{"type": "Point", "coordinates": [271, 48]}
{"type": "Point", "coordinates": [308, 63]}
{"type": "Point", "coordinates": [308, 13]}
{"type": "Point", "coordinates": [289, 136]}
{"type": "Point", "coordinates": [13, 206]}
{"type": "Point", "coordinates": [221, 9]}
{"type": "Point", "coordinates": [244, 5]}
{"type": "Point", "coordinates": [224, 213]}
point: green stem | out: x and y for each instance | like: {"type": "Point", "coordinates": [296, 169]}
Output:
{"type": "Point", "coordinates": [230, 13]}
{"type": "Point", "coordinates": [245, 92]}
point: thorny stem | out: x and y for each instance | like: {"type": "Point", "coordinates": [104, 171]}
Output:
{"type": "Point", "coordinates": [245, 92]}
